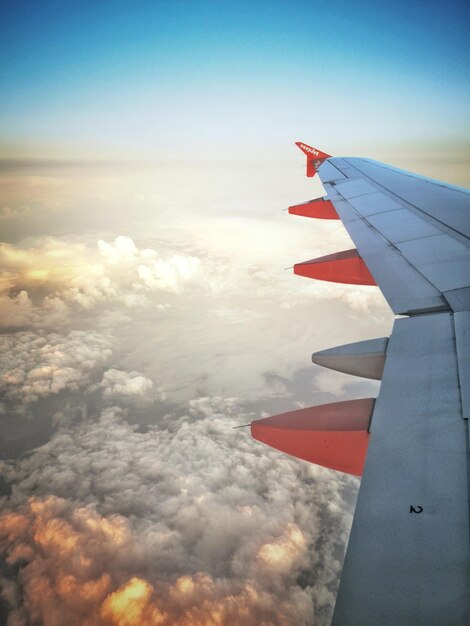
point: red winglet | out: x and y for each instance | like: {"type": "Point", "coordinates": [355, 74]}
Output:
{"type": "Point", "coordinates": [341, 267]}
{"type": "Point", "coordinates": [319, 208]}
{"type": "Point", "coordinates": [333, 435]}
{"type": "Point", "coordinates": [314, 157]}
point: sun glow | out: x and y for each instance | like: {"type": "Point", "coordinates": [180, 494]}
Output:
{"type": "Point", "coordinates": [131, 605]}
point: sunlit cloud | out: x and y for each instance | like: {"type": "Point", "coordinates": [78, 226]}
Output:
{"type": "Point", "coordinates": [44, 284]}
{"type": "Point", "coordinates": [176, 522]}
{"type": "Point", "coordinates": [282, 554]}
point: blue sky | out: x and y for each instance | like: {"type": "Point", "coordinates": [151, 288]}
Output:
{"type": "Point", "coordinates": [176, 79]}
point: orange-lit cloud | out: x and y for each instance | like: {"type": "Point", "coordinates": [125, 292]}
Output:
{"type": "Point", "coordinates": [63, 552]}
{"type": "Point", "coordinates": [132, 605]}
{"type": "Point", "coordinates": [73, 570]}
{"type": "Point", "coordinates": [282, 554]}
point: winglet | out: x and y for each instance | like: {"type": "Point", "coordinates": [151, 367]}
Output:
{"type": "Point", "coordinates": [314, 157]}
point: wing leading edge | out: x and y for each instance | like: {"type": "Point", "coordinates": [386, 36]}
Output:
{"type": "Point", "coordinates": [408, 556]}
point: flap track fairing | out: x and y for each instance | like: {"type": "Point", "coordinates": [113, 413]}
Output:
{"type": "Point", "coordinates": [333, 435]}
{"type": "Point", "coordinates": [321, 208]}
{"type": "Point", "coordinates": [342, 267]}
{"type": "Point", "coordinates": [361, 358]}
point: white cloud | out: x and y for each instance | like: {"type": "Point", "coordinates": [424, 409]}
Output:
{"type": "Point", "coordinates": [37, 364]}
{"type": "Point", "coordinates": [333, 382]}
{"type": "Point", "coordinates": [117, 383]}
{"type": "Point", "coordinates": [168, 275]}
{"type": "Point", "coordinates": [7, 212]}
{"type": "Point", "coordinates": [191, 521]}
{"type": "Point", "coordinates": [45, 284]}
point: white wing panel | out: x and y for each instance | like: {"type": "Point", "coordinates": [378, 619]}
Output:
{"type": "Point", "coordinates": [330, 172]}
{"type": "Point", "coordinates": [404, 288]}
{"type": "Point", "coordinates": [351, 188]}
{"type": "Point", "coordinates": [443, 202]}
{"type": "Point", "coordinates": [442, 259]}
{"type": "Point", "coordinates": [462, 340]}
{"type": "Point", "coordinates": [408, 553]}
{"type": "Point", "coordinates": [416, 254]}
{"type": "Point", "coordinates": [374, 203]}
{"type": "Point", "coordinates": [402, 225]}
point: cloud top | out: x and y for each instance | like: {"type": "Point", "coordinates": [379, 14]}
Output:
{"type": "Point", "coordinates": [43, 285]}
{"type": "Point", "coordinates": [188, 522]}
{"type": "Point", "coordinates": [38, 364]}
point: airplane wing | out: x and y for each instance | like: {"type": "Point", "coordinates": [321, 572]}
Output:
{"type": "Point", "coordinates": [407, 561]}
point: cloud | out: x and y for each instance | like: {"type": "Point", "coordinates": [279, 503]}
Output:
{"type": "Point", "coordinates": [190, 523]}
{"type": "Point", "coordinates": [61, 551]}
{"type": "Point", "coordinates": [19, 311]}
{"type": "Point", "coordinates": [45, 284]}
{"type": "Point", "coordinates": [169, 275]}
{"type": "Point", "coordinates": [38, 364]}
{"type": "Point", "coordinates": [283, 553]}
{"type": "Point", "coordinates": [116, 384]}
{"type": "Point", "coordinates": [335, 383]}
{"type": "Point", "coordinates": [7, 212]}
{"type": "Point", "coordinates": [176, 519]}
{"type": "Point", "coordinates": [218, 309]}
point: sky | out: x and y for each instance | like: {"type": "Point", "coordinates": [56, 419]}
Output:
{"type": "Point", "coordinates": [200, 80]}
{"type": "Point", "coordinates": [146, 158]}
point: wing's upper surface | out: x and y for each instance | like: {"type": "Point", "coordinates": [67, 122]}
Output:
{"type": "Point", "coordinates": [408, 555]}
{"type": "Point", "coordinates": [413, 233]}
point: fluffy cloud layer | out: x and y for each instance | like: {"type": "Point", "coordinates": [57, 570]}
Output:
{"type": "Point", "coordinates": [62, 550]}
{"type": "Point", "coordinates": [117, 384]}
{"type": "Point", "coordinates": [189, 524]}
{"type": "Point", "coordinates": [44, 284]}
{"type": "Point", "coordinates": [37, 364]}
{"type": "Point", "coordinates": [204, 314]}
{"type": "Point", "coordinates": [179, 520]}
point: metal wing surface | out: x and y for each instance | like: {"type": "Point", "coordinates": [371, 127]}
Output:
{"type": "Point", "coordinates": [407, 560]}
{"type": "Point", "coordinates": [408, 557]}
{"type": "Point", "coordinates": [412, 232]}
